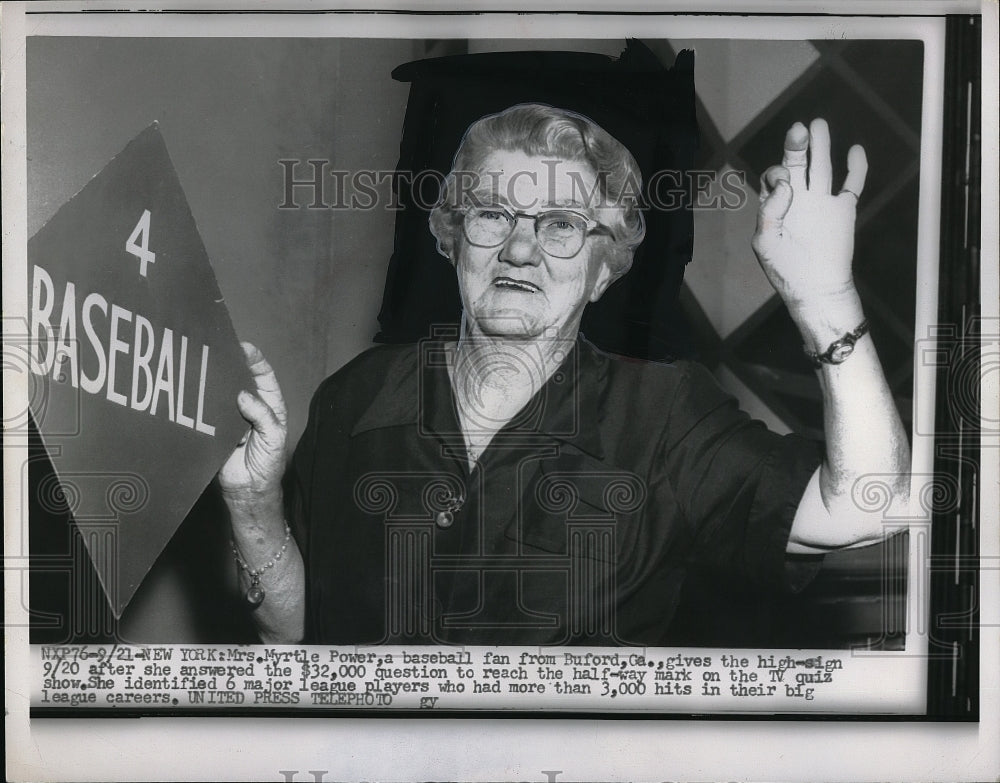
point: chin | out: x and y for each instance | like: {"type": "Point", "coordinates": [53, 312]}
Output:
{"type": "Point", "coordinates": [512, 323]}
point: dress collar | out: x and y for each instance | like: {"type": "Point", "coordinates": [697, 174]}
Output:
{"type": "Point", "coordinates": [416, 391]}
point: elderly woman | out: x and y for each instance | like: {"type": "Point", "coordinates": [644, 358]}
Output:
{"type": "Point", "coordinates": [518, 486]}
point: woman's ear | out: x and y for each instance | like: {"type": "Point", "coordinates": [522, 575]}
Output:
{"type": "Point", "coordinates": [605, 277]}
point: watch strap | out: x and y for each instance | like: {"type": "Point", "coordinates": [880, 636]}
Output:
{"type": "Point", "coordinates": [839, 350]}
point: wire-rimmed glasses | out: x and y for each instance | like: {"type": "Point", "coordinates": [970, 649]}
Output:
{"type": "Point", "coordinates": [560, 232]}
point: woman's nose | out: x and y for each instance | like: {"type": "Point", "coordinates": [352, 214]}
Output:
{"type": "Point", "coordinates": [521, 247]}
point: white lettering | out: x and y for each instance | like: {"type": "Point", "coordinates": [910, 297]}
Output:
{"type": "Point", "coordinates": [187, 421]}
{"type": "Point", "coordinates": [208, 429]}
{"type": "Point", "coordinates": [116, 346]}
{"type": "Point", "coordinates": [165, 375]}
{"type": "Point", "coordinates": [140, 362]}
{"type": "Point", "coordinates": [95, 384]}
{"type": "Point", "coordinates": [67, 346]}
{"type": "Point", "coordinates": [41, 289]}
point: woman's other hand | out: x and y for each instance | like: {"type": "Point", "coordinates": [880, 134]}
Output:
{"type": "Point", "coordinates": [254, 470]}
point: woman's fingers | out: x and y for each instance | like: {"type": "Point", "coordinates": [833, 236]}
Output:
{"type": "Point", "coordinates": [857, 171]}
{"type": "Point", "coordinates": [770, 178]}
{"type": "Point", "coordinates": [820, 172]}
{"type": "Point", "coordinates": [773, 208]}
{"type": "Point", "coordinates": [258, 459]}
{"type": "Point", "coordinates": [796, 156]}
{"type": "Point", "coordinates": [775, 205]}
{"type": "Point", "coordinates": [258, 365]}
{"type": "Point", "coordinates": [265, 381]}
{"type": "Point", "coordinates": [809, 150]}
{"type": "Point", "coordinates": [262, 419]}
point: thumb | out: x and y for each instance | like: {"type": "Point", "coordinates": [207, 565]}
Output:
{"type": "Point", "coordinates": [774, 208]}
{"type": "Point", "coordinates": [261, 418]}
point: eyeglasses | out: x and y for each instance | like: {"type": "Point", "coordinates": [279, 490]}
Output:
{"type": "Point", "coordinates": [560, 232]}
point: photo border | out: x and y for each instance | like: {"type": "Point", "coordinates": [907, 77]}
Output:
{"type": "Point", "coordinates": [940, 675]}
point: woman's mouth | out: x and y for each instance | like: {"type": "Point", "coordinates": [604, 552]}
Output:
{"type": "Point", "coordinates": [510, 283]}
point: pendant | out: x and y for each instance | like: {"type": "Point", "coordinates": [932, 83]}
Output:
{"type": "Point", "coordinates": [255, 595]}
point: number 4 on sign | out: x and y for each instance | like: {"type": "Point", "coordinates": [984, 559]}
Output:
{"type": "Point", "coordinates": [138, 243]}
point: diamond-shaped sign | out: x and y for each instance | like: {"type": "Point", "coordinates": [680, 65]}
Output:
{"type": "Point", "coordinates": [132, 344]}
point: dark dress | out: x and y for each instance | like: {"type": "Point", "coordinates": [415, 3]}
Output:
{"type": "Point", "coordinates": [577, 526]}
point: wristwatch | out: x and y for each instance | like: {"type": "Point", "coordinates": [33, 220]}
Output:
{"type": "Point", "coordinates": [840, 349]}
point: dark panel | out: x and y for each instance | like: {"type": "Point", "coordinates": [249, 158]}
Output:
{"type": "Point", "coordinates": [889, 68]}
{"type": "Point", "coordinates": [885, 254]}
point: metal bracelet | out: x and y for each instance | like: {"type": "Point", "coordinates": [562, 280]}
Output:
{"type": "Point", "coordinates": [255, 594]}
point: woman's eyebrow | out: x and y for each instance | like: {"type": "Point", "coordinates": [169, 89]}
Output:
{"type": "Point", "coordinates": [574, 204]}
{"type": "Point", "coordinates": [480, 196]}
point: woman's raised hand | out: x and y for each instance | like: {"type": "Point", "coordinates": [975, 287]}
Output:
{"type": "Point", "coordinates": [805, 234]}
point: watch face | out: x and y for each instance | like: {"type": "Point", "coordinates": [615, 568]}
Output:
{"type": "Point", "coordinates": [841, 352]}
